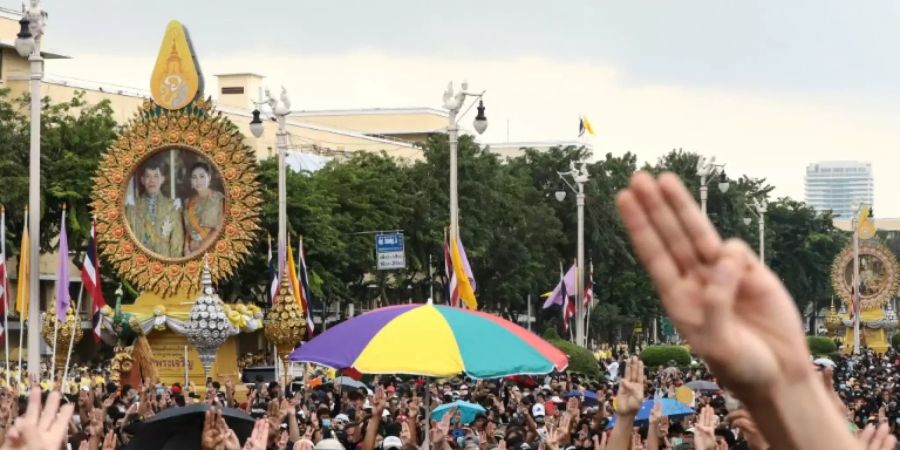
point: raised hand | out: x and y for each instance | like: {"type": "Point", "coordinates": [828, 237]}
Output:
{"type": "Point", "coordinates": [631, 388]}
{"type": "Point", "coordinates": [721, 298]}
{"type": "Point", "coordinates": [212, 437]}
{"type": "Point", "coordinates": [742, 420]}
{"type": "Point", "coordinates": [259, 438]}
{"type": "Point", "coordinates": [878, 439]}
{"type": "Point", "coordinates": [110, 441]}
{"type": "Point", "coordinates": [379, 401]}
{"type": "Point", "coordinates": [704, 430]}
{"type": "Point", "coordinates": [40, 430]}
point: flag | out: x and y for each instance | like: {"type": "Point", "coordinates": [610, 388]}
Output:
{"type": "Point", "coordinates": [62, 271]}
{"type": "Point", "coordinates": [568, 309]}
{"type": "Point", "coordinates": [304, 287]}
{"type": "Point", "coordinates": [584, 125]}
{"type": "Point", "coordinates": [273, 275]}
{"type": "Point", "coordinates": [22, 288]}
{"type": "Point", "coordinates": [453, 291]}
{"type": "Point", "coordinates": [589, 287]}
{"type": "Point", "coordinates": [90, 279]}
{"type": "Point", "coordinates": [566, 284]}
{"type": "Point", "coordinates": [4, 284]}
{"type": "Point", "coordinates": [464, 281]}
{"type": "Point", "coordinates": [292, 276]}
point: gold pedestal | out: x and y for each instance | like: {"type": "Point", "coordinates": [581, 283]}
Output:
{"type": "Point", "coordinates": [168, 346]}
{"type": "Point", "coordinates": [874, 338]}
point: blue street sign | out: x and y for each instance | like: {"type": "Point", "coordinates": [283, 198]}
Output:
{"type": "Point", "coordinates": [389, 250]}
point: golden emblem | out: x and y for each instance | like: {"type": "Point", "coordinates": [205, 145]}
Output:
{"type": "Point", "coordinates": [175, 81]}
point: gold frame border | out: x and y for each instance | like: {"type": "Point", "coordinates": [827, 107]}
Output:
{"type": "Point", "coordinates": [888, 260]}
{"type": "Point", "coordinates": [151, 131]}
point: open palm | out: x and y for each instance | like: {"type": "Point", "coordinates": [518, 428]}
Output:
{"type": "Point", "coordinates": [721, 298]}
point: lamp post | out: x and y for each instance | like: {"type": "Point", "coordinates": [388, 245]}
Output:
{"type": "Point", "coordinates": [28, 45]}
{"type": "Point", "coordinates": [580, 177]}
{"type": "Point", "coordinates": [454, 101]}
{"type": "Point", "coordinates": [280, 110]}
{"type": "Point", "coordinates": [759, 208]}
{"type": "Point", "coordinates": [707, 169]}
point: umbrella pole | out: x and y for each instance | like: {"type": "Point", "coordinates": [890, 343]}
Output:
{"type": "Point", "coordinates": [425, 443]}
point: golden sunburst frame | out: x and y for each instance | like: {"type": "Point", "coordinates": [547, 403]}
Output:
{"type": "Point", "coordinates": [883, 280]}
{"type": "Point", "coordinates": [195, 128]}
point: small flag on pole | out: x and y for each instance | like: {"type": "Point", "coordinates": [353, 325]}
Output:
{"type": "Point", "coordinates": [584, 125]}
{"type": "Point", "coordinates": [589, 287]}
{"type": "Point", "coordinates": [62, 271]}
{"type": "Point", "coordinates": [464, 280]}
{"type": "Point", "coordinates": [568, 304]}
{"type": "Point", "coordinates": [304, 287]}
{"type": "Point", "coordinates": [90, 278]}
{"type": "Point", "coordinates": [273, 275]}
{"type": "Point", "coordinates": [22, 287]}
{"type": "Point", "coordinates": [453, 291]}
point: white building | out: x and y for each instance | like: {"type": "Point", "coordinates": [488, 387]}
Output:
{"type": "Point", "coordinates": [839, 186]}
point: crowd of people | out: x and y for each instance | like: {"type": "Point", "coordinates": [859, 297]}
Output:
{"type": "Point", "coordinates": [737, 317]}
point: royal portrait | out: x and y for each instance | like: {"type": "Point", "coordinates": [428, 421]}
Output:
{"type": "Point", "coordinates": [174, 203]}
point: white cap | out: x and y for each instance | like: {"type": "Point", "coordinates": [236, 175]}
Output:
{"type": "Point", "coordinates": [391, 442]}
{"type": "Point", "coordinates": [329, 444]}
{"type": "Point", "coordinates": [538, 410]}
{"type": "Point", "coordinates": [342, 417]}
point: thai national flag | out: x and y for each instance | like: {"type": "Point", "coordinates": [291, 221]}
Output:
{"type": "Point", "coordinates": [90, 277]}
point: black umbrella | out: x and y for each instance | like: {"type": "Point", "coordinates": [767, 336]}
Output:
{"type": "Point", "coordinates": [180, 428]}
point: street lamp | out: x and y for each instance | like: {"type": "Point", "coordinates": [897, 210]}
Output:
{"type": "Point", "coordinates": [707, 169]}
{"type": "Point", "coordinates": [759, 208]}
{"type": "Point", "coordinates": [580, 177]}
{"type": "Point", "coordinates": [454, 101]}
{"type": "Point", "coordinates": [28, 45]}
{"type": "Point", "coordinates": [280, 109]}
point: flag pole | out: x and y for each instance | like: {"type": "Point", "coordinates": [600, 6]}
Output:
{"type": "Point", "coordinates": [25, 298]}
{"type": "Point", "coordinates": [62, 224]}
{"type": "Point", "coordinates": [5, 288]}
{"type": "Point", "coordinates": [72, 337]}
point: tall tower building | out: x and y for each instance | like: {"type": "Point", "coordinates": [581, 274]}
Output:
{"type": "Point", "coordinates": [839, 186]}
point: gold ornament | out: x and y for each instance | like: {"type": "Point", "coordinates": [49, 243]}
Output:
{"type": "Point", "coordinates": [72, 325]}
{"type": "Point", "coordinates": [879, 275]}
{"type": "Point", "coordinates": [832, 320]}
{"type": "Point", "coordinates": [284, 323]}
{"type": "Point", "coordinates": [146, 136]}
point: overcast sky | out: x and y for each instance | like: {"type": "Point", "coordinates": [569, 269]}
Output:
{"type": "Point", "coordinates": [765, 86]}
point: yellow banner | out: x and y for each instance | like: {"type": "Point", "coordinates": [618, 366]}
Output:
{"type": "Point", "coordinates": [176, 80]}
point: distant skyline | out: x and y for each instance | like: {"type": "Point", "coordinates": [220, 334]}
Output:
{"type": "Point", "coordinates": [767, 87]}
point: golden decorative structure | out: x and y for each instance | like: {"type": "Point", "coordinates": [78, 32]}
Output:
{"type": "Point", "coordinates": [832, 320]}
{"type": "Point", "coordinates": [882, 280]}
{"type": "Point", "coordinates": [194, 128]}
{"type": "Point", "coordinates": [72, 324]}
{"type": "Point", "coordinates": [121, 364]}
{"type": "Point", "coordinates": [285, 325]}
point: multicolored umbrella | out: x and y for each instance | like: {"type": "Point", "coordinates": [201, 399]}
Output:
{"type": "Point", "coordinates": [432, 340]}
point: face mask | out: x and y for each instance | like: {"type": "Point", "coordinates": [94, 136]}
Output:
{"type": "Point", "coordinates": [676, 441]}
{"type": "Point", "coordinates": [326, 423]}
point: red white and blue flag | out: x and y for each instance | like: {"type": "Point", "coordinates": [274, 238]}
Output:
{"type": "Point", "coordinates": [90, 278]}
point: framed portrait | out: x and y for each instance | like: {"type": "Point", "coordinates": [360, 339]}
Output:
{"type": "Point", "coordinates": [175, 203]}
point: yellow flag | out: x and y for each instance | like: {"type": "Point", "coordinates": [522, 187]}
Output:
{"type": "Point", "coordinates": [295, 283]}
{"type": "Point", "coordinates": [22, 289]}
{"type": "Point", "coordinates": [466, 293]}
{"type": "Point", "coordinates": [585, 126]}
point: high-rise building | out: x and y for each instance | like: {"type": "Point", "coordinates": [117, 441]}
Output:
{"type": "Point", "coordinates": [839, 186]}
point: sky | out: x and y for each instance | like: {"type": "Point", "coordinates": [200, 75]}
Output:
{"type": "Point", "coordinates": [765, 86]}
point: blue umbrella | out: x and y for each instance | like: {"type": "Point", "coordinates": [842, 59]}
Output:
{"type": "Point", "coordinates": [588, 398]}
{"type": "Point", "coordinates": [670, 407]}
{"type": "Point", "coordinates": [467, 410]}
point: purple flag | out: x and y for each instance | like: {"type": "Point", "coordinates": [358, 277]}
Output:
{"type": "Point", "coordinates": [557, 296]}
{"type": "Point", "coordinates": [62, 272]}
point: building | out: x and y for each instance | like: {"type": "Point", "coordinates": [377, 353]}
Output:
{"type": "Point", "coordinates": [839, 186]}
{"type": "Point", "coordinates": [516, 149]}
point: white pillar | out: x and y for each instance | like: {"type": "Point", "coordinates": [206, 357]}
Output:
{"type": "Point", "coordinates": [704, 192]}
{"type": "Point", "coordinates": [580, 337]}
{"type": "Point", "coordinates": [452, 134]}
{"type": "Point", "coordinates": [34, 225]}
